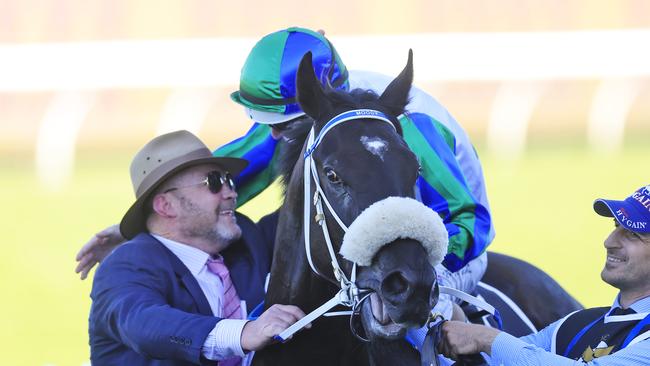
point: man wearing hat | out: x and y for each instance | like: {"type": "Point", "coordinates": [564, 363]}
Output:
{"type": "Point", "coordinates": [615, 335]}
{"type": "Point", "coordinates": [178, 292]}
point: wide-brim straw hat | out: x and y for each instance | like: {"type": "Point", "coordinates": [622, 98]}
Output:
{"type": "Point", "coordinates": [157, 161]}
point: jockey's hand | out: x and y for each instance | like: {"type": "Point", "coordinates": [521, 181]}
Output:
{"type": "Point", "coordinates": [460, 339]}
{"type": "Point", "coordinates": [97, 248]}
{"type": "Point", "coordinates": [259, 333]}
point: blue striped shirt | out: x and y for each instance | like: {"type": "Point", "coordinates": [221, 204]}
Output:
{"type": "Point", "coordinates": [538, 348]}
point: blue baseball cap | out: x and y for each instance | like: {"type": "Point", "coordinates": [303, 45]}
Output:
{"type": "Point", "coordinates": [633, 213]}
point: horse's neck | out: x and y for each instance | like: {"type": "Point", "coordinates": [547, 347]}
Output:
{"type": "Point", "coordinates": [292, 280]}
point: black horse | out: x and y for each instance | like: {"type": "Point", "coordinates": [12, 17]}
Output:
{"type": "Point", "coordinates": [352, 177]}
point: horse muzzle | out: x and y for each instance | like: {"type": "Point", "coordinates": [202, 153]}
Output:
{"type": "Point", "coordinates": [404, 288]}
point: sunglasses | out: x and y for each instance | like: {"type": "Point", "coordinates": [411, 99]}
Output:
{"type": "Point", "coordinates": [215, 180]}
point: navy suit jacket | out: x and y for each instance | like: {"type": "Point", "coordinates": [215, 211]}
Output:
{"type": "Point", "coordinates": [148, 309]}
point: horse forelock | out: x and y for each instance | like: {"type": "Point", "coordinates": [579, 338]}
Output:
{"type": "Point", "coordinates": [362, 99]}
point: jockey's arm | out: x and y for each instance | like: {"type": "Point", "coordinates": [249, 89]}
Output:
{"type": "Point", "coordinates": [97, 248]}
{"type": "Point", "coordinates": [443, 187]}
{"type": "Point", "coordinates": [258, 146]}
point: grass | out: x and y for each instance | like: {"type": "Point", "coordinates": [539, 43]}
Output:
{"type": "Point", "coordinates": [541, 205]}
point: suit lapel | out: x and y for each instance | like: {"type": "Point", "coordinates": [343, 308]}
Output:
{"type": "Point", "coordinates": [189, 281]}
{"type": "Point", "coordinates": [245, 277]}
{"type": "Point", "coordinates": [195, 290]}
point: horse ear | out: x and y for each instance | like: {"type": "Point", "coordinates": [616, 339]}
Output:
{"type": "Point", "coordinates": [309, 93]}
{"type": "Point", "coordinates": [395, 97]}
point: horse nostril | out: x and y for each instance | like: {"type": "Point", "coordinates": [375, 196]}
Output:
{"type": "Point", "coordinates": [394, 284]}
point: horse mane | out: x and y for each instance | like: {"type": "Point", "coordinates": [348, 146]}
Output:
{"type": "Point", "coordinates": [291, 144]}
{"type": "Point", "coordinates": [294, 138]}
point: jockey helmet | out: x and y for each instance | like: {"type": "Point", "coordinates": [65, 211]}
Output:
{"type": "Point", "coordinates": [267, 86]}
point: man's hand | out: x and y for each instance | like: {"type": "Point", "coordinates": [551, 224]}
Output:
{"type": "Point", "coordinates": [466, 339]}
{"type": "Point", "coordinates": [97, 248]}
{"type": "Point", "coordinates": [259, 333]}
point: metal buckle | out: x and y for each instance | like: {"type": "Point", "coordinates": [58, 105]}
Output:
{"type": "Point", "coordinates": [356, 311]}
{"type": "Point", "coordinates": [433, 319]}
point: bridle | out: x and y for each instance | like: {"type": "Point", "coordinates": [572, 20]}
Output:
{"type": "Point", "coordinates": [319, 198]}
{"type": "Point", "coordinates": [349, 294]}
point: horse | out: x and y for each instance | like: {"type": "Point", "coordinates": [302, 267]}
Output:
{"type": "Point", "coordinates": [398, 274]}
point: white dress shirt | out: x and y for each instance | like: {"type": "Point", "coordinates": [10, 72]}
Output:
{"type": "Point", "coordinates": [224, 341]}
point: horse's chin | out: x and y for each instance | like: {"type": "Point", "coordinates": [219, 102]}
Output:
{"type": "Point", "coordinates": [377, 321]}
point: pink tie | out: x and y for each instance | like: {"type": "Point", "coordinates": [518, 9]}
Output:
{"type": "Point", "coordinates": [230, 304]}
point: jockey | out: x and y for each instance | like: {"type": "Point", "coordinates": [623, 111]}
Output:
{"type": "Point", "coordinates": [451, 181]}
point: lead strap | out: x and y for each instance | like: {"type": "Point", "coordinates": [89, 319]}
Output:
{"type": "Point", "coordinates": [474, 301]}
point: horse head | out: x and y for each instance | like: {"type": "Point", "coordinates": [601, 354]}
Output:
{"type": "Point", "coordinates": [366, 175]}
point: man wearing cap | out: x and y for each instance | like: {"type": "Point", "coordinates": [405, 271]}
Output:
{"type": "Point", "coordinates": [454, 188]}
{"type": "Point", "coordinates": [178, 292]}
{"type": "Point", "coordinates": [616, 335]}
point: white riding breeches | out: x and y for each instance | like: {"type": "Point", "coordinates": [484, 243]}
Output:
{"type": "Point", "coordinates": [465, 279]}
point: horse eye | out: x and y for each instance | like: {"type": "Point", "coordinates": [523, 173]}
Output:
{"type": "Point", "coordinates": [332, 176]}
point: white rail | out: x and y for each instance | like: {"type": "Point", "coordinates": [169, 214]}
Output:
{"type": "Point", "coordinates": [438, 57]}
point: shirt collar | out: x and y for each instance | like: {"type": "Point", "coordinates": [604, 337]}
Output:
{"type": "Point", "coordinates": [193, 258]}
{"type": "Point", "coordinates": [640, 306]}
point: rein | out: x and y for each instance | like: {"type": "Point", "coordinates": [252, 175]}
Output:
{"type": "Point", "coordinates": [349, 294]}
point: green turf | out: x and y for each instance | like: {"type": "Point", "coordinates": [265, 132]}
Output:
{"type": "Point", "coordinates": [541, 204]}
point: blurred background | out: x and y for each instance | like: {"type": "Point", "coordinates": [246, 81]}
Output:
{"type": "Point", "coordinates": [554, 94]}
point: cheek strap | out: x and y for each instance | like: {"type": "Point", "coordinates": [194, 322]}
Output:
{"type": "Point", "coordinates": [390, 219]}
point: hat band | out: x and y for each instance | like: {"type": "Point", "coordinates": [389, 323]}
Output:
{"type": "Point", "coordinates": [170, 166]}
{"type": "Point", "coordinates": [285, 101]}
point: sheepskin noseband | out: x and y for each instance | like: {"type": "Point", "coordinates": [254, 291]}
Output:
{"type": "Point", "coordinates": [390, 219]}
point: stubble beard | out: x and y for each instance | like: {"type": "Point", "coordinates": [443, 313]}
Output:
{"type": "Point", "coordinates": [209, 226]}
{"type": "Point", "coordinates": [621, 279]}
{"type": "Point", "coordinates": [224, 232]}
